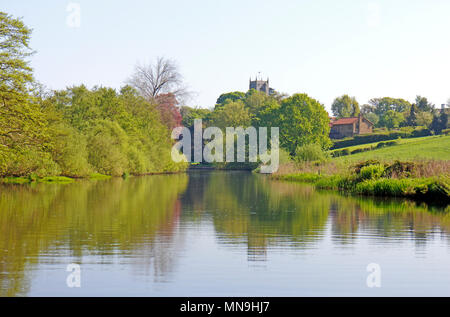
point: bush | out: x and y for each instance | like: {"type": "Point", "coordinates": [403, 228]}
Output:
{"type": "Point", "coordinates": [400, 169]}
{"type": "Point", "coordinates": [362, 150]}
{"type": "Point", "coordinates": [384, 144]}
{"type": "Point", "coordinates": [360, 165]}
{"type": "Point", "coordinates": [284, 156]}
{"type": "Point", "coordinates": [421, 132]}
{"type": "Point", "coordinates": [329, 182]}
{"type": "Point", "coordinates": [27, 161]}
{"type": "Point", "coordinates": [382, 187]}
{"type": "Point", "coordinates": [309, 153]}
{"type": "Point", "coordinates": [342, 152]}
{"type": "Point", "coordinates": [371, 171]}
{"type": "Point", "coordinates": [380, 136]}
{"type": "Point", "coordinates": [436, 190]}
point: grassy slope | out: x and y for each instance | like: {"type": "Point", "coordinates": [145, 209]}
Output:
{"type": "Point", "coordinates": [435, 189]}
{"type": "Point", "coordinates": [432, 147]}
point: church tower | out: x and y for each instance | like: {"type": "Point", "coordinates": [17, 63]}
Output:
{"type": "Point", "coordinates": [261, 85]}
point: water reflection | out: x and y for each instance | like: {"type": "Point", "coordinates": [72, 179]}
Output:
{"type": "Point", "coordinates": [143, 224]}
{"type": "Point", "coordinates": [45, 222]}
{"type": "Point", "coordinates": [260, 212]}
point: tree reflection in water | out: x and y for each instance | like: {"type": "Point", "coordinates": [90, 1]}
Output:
{"type": "Point", "coordinates": [142, 222]}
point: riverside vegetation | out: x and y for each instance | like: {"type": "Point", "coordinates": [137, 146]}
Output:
{"type": "Point", "coordinates": [76, 132]}
{"type": "Point", "coordinates": [56, 136]}
{"type": "Point", "coordinates": [382, 171]}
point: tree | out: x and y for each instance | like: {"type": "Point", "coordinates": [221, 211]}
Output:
{"type": "Point", "coordinates": [233, 96]}
{"type": "Point", "coordinates": [166, 104]}
{"type": "Point", "coordinates": [392, 119]}
{"type": "Point", "coordinates": [279, 96]}
{"type": "Point", "coordinates": [16, 74]}
{"type": "Point", "coordinates": [366, 108]}
{"type": "Point", "coordinates": [231, 114]}
{"type": "Point", "coordinates": [76, 131]}
{"type": "Point", "coordinates": [261, 107]}
{"type": "Point", "coordinates": [189, 114]}
{"type": "Point", "coordinates": [424, 118]}
{"type": "Point", "coordinates": [440, 122]}
{"type": "Point", "coordinates": [162, 84]}
{"type": "Point", "coordinates": [372, 117]}
{"type": "Point", "coordinates": [162, 77]}
{"type": "Point", "coordinates": [303, 120]}
{"type": "Point", "coordinates": [423, 104]}
{"type": "Point", "coordinates": [382, 105]}
{"type": "Point", "coordinates": [345, 106]}
{"type": "Point", "coordinates": [412, 118]}
{"type": "Point", "coordinates": [23, 127]}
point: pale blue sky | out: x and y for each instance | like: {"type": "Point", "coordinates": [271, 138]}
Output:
{"type": "Point", "coordinates": [397, 48]}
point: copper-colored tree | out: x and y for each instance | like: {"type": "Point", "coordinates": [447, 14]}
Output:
{"type": "Point", "coordinates": [167, 107]}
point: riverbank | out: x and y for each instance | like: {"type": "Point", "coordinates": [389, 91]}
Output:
{"type": "Point", "coordinates": [49, 179]}
{"type": "Point", "coordinates": [66, 180]}
{"type": "Point", "coordinates": [373, 178]}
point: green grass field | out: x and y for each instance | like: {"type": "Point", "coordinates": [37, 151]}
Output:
{"type": "Point", "coordinates": [426, 180]}
{"type": "Point", "coordinates": [424, 148]}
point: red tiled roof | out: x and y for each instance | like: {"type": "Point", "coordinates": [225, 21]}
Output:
{"type": "Point", "coordinates": [345, 121]}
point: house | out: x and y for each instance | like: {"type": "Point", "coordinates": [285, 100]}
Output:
{"type": "Point", "coordinates": [348, 127]}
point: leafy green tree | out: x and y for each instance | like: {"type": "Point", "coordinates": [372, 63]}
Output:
{"type": "Point", "coordinates": [125, 133]}
{"type": "Point", "coordinates": [268, 116]}
{"type": "Point", "coordinates": [233, 96]}
{"type": "Point", "coordinates": [189, 114]}
{"type": "Point", "coordinates": [231, 114]}
{"type": "Point", "coordinates": [372, 117]}
{"type": "Point", "coordinates": [107, 148]}
{"type": "Point", "coordinates": [303, 120]}
{"type": "Point", "coordinates": [68, 146]}
{"type": "Point", "coordinates": [382, 105]}
{"type": "Point", "coordinates": [75, 131]}
{"type": "Point", "coordinates": [279, 96]}
{"type": "Point", "coordinates": [392, 119]}
{"type": "Point", "coordinates": [262, 107]}
{"type": "Point", "coordinates": [412, 117]}
{"type": "Point", "coordinates": [16, 74]}
{"type": "Point", "coordinates": [23, 128]}
{"type": "Point", "coordinates": [424, 118]}
{"type": "Point", "coordinates": [423, 104]}
{"type": "Point", "coordinates": [440, 122]}
{"type": "Point", "coordinates": [366, 108]}
{"type": "Point", "coordinates": [345, 106]}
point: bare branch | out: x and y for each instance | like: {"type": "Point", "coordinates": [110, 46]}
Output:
{"type": "Point", "coordinates": [161, 77]}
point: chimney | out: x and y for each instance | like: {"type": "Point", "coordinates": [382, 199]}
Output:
{"type": "Point", "coordinates": [360, 120]}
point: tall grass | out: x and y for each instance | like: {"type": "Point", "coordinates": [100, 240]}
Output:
{"type": "Point", "coordinates": [373, 178]}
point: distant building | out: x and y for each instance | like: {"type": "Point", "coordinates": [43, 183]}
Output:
{"type": "Point", "coordinates": [261, 85]}
{"type": "Point", "coordinates": [349, 127]}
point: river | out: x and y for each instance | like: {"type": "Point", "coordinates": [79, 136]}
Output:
{"type": "Point", "coordinates": [215, 233]}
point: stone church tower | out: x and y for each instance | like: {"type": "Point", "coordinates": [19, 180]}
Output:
{"type": "Point", "coordinates": [261, 85]}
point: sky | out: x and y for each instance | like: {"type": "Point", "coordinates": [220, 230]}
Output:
{"type": "Point", "coordinates": [366, 49]}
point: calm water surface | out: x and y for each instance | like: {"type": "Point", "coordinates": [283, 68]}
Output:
{"type": "Point", "coordinates": [216, 234]}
